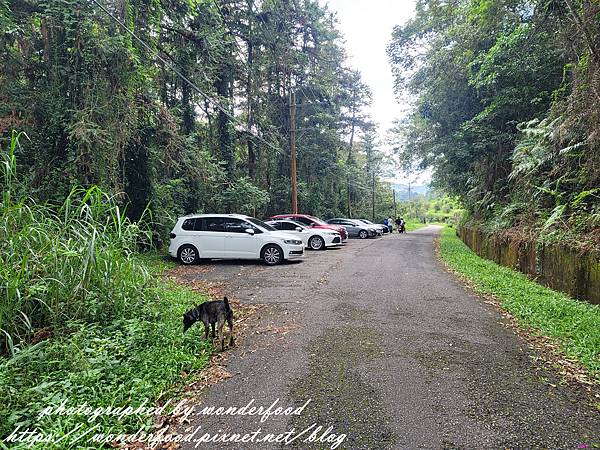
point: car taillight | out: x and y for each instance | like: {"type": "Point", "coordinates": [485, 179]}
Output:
{"type": "Point", "coordinates": [172, 235]}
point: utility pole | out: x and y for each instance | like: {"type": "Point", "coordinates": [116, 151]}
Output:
{"type": "Point", "coordinates": [395, 209]}
{"type": "Point", "coordinates": [293, 151]}
{"type": "Point", "coordinates": [373, 196]}
{"type": "Point", "coordinates": [409, 198]}
{"type": "Point", "coordinates": [349, 200]}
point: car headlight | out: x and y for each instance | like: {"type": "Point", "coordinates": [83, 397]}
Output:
{"type": "Point", "coordinates": [332, 233]}
{"type": "Point", "coordinates": [292, 242]}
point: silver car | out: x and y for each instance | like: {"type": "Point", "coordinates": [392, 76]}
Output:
{"type": "Point", "coordinates": [355, 228]}
{"type": "Point", "coordinates": [381, 229]}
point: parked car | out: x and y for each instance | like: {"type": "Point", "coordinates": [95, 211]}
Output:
{"type": "Point", "coordinates": [355, 228]}
{"type": "Point", "coordinates": [381, 227]}
{"type": "Point", "coordinates": [313, 238]}
{"type": "Point", "coordinates": [231, 236]}
{"type": "Point", "coordinates": [314, 222]}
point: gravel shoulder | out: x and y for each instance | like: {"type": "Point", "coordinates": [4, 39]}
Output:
{"type": "Point", "coordinates": [391, 351]}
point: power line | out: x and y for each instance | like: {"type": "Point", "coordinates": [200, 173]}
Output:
{"type": "Point", "coordinates": [174, 68]}
{"type": "Point", "coordinates": [220, 11]}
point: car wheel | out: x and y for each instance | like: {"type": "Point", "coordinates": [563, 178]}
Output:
{"type": "Point", "coordinates": [316, 243]}
{"type": "Point", "coordinates": [272, 255]}
{"type": "Point", "coordinates": [363, 234]}
{"type": "Point", "coordinates": [188, 255]}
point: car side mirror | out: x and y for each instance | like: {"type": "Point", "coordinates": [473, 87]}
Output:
{"type": "Point", "coordinates": [299, 229]}
{"type": "Point", "coordinates": [250, 231]}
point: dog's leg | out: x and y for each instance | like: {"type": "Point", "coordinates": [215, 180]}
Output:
{"type": "Point", "coordinates": [220, 324]}
{"type": "Point", "coordinates": [213, 330]}
{"type": "Point", "coordinates": [230, 324]}
{"type": "Point", "coordinates": [205, 330]}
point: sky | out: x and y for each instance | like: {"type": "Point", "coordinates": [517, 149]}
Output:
{"type": "Point", "coordinates": [367, 28]}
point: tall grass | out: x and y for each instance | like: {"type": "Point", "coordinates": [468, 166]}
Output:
{"type": "Point", "coordinates": [120, 363]}
{"type": "Point", "coordinates": [63, 262]}
{"type": "Point", "coordinates": [84, 318]}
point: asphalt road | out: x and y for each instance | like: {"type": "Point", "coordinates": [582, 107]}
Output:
{"type": "Point", "coordinates": [392, 352]}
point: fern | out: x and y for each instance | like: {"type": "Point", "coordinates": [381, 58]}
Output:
{"type": "Point", "coordinates": [557, 213]}
{"type": "Point", "coordinates": [535, 148]}
{"type": "Point", "coordinates": [583, 195]}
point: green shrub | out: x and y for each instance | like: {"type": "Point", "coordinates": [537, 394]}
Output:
{"type": "Point", "coordinates": [84, 318]}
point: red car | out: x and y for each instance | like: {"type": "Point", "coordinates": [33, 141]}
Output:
{"type": "Point", "coordinates": [314, 222]}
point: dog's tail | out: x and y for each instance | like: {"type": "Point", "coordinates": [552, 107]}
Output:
{"type": "Point", "coordinates": [226, 301]}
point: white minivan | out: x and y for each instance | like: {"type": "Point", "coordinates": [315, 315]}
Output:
{"type": "Point", "coordinates": [231, 236]}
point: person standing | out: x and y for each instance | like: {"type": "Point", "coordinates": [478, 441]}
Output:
{"type": "Point", "coordinates": [390, 224]}
{"type": "Point", "coordinates": [399, 224]}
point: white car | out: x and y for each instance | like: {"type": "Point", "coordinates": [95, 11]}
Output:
{"type": "Point", "coordinates": [231, 236]}
{"type": "Point", "coordinates": [313, 238]}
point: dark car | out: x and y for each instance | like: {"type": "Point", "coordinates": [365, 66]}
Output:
{"type": "Point", "coordinates": [314, 222]}
{"type": "Point", "coordinates": [355, 228]}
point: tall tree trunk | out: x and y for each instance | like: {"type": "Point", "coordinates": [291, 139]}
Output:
{"type": "Point", "coordinates": [373, 196]}
{"type": "Point", "coordinates": [189, 116]}
{"type": "Point", "coordinates": [224, 132]}
{"type": "Point", "coordinates": [250, 96]}
{"type": "Point", "coordinates": [350, 161]}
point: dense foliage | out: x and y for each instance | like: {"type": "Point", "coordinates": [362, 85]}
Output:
{"type": "Point", "coordinates": [82, 319]}
{"type": "Point", "coordinates": [507, 109]}
{"type": "Point", "coordinates": [432, 207]}
{"type": "Point", "coordinates": [72, 261]}
{"type": "Point", "coordinates": [101, 108]}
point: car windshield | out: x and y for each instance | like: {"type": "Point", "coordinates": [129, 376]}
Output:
{"type": "Point", "coordinates": [261, 224]}
{"type": "Point", "coordinates": [317, 221]}
{"type": "Point", "coordinates": [298, 224]}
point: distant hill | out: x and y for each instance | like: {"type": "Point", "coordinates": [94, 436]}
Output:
{"type": "Point", "coordinates": [415, 190]}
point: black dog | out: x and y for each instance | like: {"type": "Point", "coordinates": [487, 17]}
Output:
{"type": "Point", "coordinates": [215, 312]}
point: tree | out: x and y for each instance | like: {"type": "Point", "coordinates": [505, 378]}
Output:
{"type": "Point", "coordinates": [504, 107]}
{"type": "Point", "coordinates": [102, 105]}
